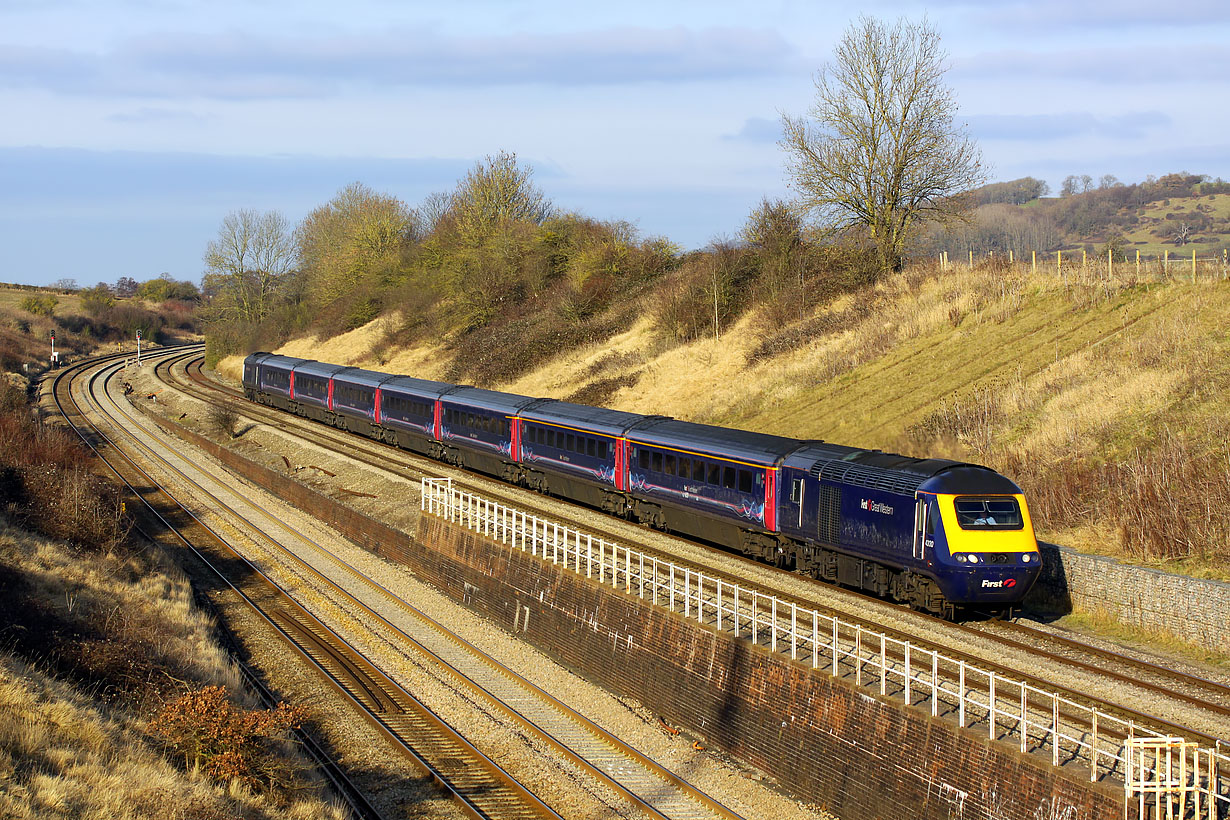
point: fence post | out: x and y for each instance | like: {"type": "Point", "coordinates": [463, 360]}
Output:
{"type": "Point", "coordinates": [971, 259]}
{"type": "Point", "coordinates": [1138, 263]}
{"type": "Point", "coordinates": [1165, 263]}
{"type": "Point", "coordinates": [1110, 264]}
{"type": "Point", "coordinates": [1193, 266]}
{"type": "Point", "coordinates": [1034, 261]}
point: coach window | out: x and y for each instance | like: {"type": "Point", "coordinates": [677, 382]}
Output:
{"type": "Point", "coordinates": [728, 478]}
{"type": "Point", "coordinates": [643, 458]}
{"type": "Point", "coordinates": [591, 447]}
{"type": "Point", "coordinates": [685, 467]}
{"type": "Point", "coordinates": [715, 474]}
{"type": "Point", "coordinates": [602, 450]}
{"type": "Point", "coordinates": [572, 446]}
{"type": "Point", "coordinates": [670, 464]}
{"type": "Point", "coordinates": [745, 481]}
{"type": "Point", "coordinates": [657, 462]}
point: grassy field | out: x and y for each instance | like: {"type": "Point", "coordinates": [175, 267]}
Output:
{"type": "Point", "coordinates": [1068, 385]}
{"type": "Point", "coordinates": [1157, 216]}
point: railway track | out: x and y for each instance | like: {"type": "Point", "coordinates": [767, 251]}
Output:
{"type": "Point", "coordinates": [475, 780]}
{"type": "Point", "coordinates": [1208, 701]}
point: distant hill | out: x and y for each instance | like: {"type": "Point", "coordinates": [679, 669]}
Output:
{"type": "Point", "coordinates": [1176, 213]}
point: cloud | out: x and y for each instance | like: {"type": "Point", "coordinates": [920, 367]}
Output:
{"type": "Point", "coordinates": [82, 179]}
{"type": "Point", "coordinates": [1065, 126]}
{"type": "Point", "coordinates": [155, 115]}
{"type": "Point", "coordinates": [1135, 65]}
{"type": "Point", "coordinates": [240, 65]}
{"type": "Point", "coordinates": [758, 130]}
{"type": "Point", "coordinates": [1056, 15]}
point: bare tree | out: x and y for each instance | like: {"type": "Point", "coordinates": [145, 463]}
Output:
{"type": "Point", "coordinates": [245, 263]}
{"type": "Point", "coordinates": [434, 208]}
{"type": "Point", "coordinates": [878, 149]}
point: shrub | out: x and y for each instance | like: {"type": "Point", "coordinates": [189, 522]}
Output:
{"type": "Point", "coordinates": [227, 741]}
{"type": "Point", "coordinates": [223, 418]}
{"type": "Point", "coordinates": [48, 484]}
{"type": "Point", "coordinates": [40, 304]}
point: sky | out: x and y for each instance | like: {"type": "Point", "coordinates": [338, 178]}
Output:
{"type": "Point", "coordinates": [131, 128]}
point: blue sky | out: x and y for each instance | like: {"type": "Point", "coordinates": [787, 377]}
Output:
{"type": "Point", "coordinates": [132, 127]}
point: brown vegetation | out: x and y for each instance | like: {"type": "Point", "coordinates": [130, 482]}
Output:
{"type": "Point", "coordinates": [97, 634]}
{"type": "Point", "coordinates": [229, 742]}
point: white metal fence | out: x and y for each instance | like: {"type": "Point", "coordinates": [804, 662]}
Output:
{"type": "Point", "coordinates": [1007, 709]}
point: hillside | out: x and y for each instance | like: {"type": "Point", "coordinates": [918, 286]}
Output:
{"type": "Point", "coordinates": [1175, 214]}
{"type": "Point", "coordinates": [1108, 402]}
{"type": "Point", "coordinates": [85, 322]}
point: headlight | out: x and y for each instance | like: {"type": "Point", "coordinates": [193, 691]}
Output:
{"type": "Point", "coordinates": [1026, 558]}
{"type": "Point", "coordinates": [973, 559]}
{"type": "Point", "coordinates": [959, 558]}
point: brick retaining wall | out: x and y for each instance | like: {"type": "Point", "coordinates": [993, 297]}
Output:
{"type": "Point", "coordinates": [860, 756]}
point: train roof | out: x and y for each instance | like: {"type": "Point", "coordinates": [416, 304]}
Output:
{"type": "Point", "coordinates": [490, 400]}
{"type": "Point", "coordinates": [568, 414]}
{"type": "Point", "coordinates": [357, 375]}
{"type": "Point", "coordinates": [723, 442]}
{"type": "Point", "coordinates": [281, 362]}
{"type": "Point", "coordinates": [315, 368]}
{"type": "Point", "coordinates": [422, 388]}
{"type": "Point", "coordinates": [896, 473]}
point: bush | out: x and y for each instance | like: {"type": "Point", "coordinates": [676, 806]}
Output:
{"type": "Point", "coordinates": [41, 304]}
{"type": "Point", "coordinates": [229, 742]}
{"type": "Point", "coordinates": [223, 418]}
{"type": "Point", "coordinates": [47, 483]}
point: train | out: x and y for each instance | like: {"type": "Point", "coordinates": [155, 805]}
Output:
{"type": "Point", "coordinates": [941, 536]}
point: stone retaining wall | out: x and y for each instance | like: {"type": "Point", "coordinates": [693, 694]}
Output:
{"type": "Point", "coordinates": [1191, 609]}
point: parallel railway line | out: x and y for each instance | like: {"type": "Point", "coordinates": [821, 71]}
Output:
{"type": "Point", "coordinates": [1191, 693]}
{"type": "Point", "coordinates": [493, 795]}
{"type": "Point", "coordinates": [486, 790]}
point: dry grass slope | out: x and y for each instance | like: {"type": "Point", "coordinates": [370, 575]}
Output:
{"type": "Point", "coordinates": [131, 638]}
{"type": "Point", "coordinates": [1109, 401]}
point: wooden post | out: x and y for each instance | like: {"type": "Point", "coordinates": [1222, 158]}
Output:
{"type": "Point", "coordinates": [1084, 258]}
{"type": "Point", "coordinates": [1010, 259]}
{"type": "Point", "coordinates": [971, 259]}
{"type": "Point", "coordinates": [1165, 263]}
{"type": "Point", "coordinates": [1034, 262]}
{"type": "Point", "coordinates": [1193, 266]}
{"type": "Point", "coordinates": [1138, 263]}
{"type": "Point", "coordinates": [1110, 264]}
{"type": "Point", "coordinates": [1058, 262]}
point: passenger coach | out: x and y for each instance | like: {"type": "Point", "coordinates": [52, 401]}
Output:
{"type": "Point", "coordinates": [936, 534]}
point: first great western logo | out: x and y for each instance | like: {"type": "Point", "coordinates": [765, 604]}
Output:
{"type": "Point", "coordinates": [875, 507]}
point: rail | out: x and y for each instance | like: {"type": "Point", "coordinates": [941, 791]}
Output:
{"type": "Point", "coordinates": [1010, 710]}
